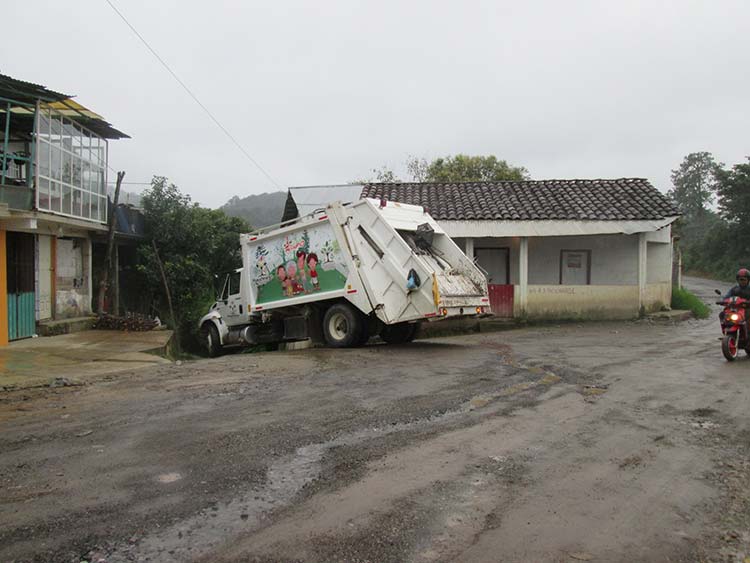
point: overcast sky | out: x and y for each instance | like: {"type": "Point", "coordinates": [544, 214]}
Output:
{"type": "Point", "coordinates": [323, 92]}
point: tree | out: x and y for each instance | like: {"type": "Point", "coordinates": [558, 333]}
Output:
{"type": "Point", "coordinates": [734, 207]}
{"type": "Point", "coordinates": [458, 168]}
{"type": "Point", "coordinates": [193, 244]}
{"type": "Point", "coordinates": [694, 184]}
{"type": "Point", "coordinates": [464, 168]}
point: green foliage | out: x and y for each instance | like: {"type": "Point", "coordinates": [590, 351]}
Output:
{"type": "Point", "coordinates": [713, 244]}
{"type": "Point", "coordinates": [193, 243]}
{"type": "Point", "coordinates": [694, 184]}
{"type": "Point", "coordinates": [734, 206]}
{"type": "Point", "coordinates": [464, 168]}
{"type": "Point", "coordinates": [258, 210]}
{"type": "Point", "coordinates": [686, 301]}
{"type": "Point", "coordinates": [458, 168]}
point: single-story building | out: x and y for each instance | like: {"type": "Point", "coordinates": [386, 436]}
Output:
{"type": "Point", "coordinates": [551, 248]}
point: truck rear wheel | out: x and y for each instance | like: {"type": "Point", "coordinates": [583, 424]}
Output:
{"type": "Point", "coordinates": [342, 326]}
{"type": "Point", "coordinates": [212, 340]}
{"type": "Point", "coordinates": [400, 333]}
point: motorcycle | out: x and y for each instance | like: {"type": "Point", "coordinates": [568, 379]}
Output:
{"type": "Point", "coordinates": [734, 327]}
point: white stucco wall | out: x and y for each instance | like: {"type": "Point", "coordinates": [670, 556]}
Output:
{"type": "Point", "coordinates": [657, 295]}
{"type": "Point", "coordinates": [43, 279]}
{"type": "Point", "coordinates": [73, 295]}
{"type": "Point", "coordinates": [659, 268]}
{"type": "Point", "coordinates": [614, 292]}
{"type": "Point", "coordinates": [614, 258]}
{"type": "Point", "coordinates": [581, 301]}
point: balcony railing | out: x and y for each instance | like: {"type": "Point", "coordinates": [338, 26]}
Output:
{"type": "Point", "coordinates": [17, 197]}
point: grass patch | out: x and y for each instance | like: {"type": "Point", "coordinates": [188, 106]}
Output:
{"type": "Point", "coordinates": [685, 300]}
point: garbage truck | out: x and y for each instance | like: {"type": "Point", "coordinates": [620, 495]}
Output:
{"type": "Point", "coordinates": [342, 274]}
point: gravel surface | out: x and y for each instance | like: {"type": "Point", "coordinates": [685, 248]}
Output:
{"type": "Point", "coordinates": [605, 441]}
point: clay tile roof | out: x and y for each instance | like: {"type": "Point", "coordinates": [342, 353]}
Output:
{"type": "Point", "coordinates": [533, 200]}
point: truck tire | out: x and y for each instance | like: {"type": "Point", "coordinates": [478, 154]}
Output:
{"type": "Point", "coordinates": [400, 333]}
{"type": "Point", "coordinates": [342, 326]}
{"type": "Point", "coordinates": [211, 340]}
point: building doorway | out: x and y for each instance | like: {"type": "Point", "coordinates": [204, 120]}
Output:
{"type": "Point", "coordinates": [496, 262]}
{"type": "Point", "coordinates": [20, 268]}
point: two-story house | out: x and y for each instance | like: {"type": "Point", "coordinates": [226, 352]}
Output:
{"type": "Point", "coordinates": [53, 205]}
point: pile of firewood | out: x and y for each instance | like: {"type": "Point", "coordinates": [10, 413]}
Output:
{"type": "Point", "coordinates": [133, 322]}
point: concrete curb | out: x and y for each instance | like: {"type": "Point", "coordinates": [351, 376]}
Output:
{"type": "Point", "coordinates": [491, 324]}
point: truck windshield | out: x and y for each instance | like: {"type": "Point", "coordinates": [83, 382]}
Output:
{"type": "Point", "coordinates": [231, 286]}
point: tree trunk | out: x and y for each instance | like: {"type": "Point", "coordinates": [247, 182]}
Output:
{"type": "Point", "coordinates": [104, 283]}
{"type": "Point", "coordinates": [175, 328]}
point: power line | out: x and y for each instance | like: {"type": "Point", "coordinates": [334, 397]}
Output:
{"type": "Point", "coordinates": [197, 101]}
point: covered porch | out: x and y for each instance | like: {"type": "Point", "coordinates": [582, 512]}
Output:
{"type": "Point", "coordinates": [566, 273]}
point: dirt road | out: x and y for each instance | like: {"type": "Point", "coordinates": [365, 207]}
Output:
{"type": "Point", "coordinates": [603, 442]}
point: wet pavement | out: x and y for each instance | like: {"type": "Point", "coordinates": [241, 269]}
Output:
{"type": "Point", "coordinates": [623, 441]}
{"type": "Point", "coordinates": [76, 358]}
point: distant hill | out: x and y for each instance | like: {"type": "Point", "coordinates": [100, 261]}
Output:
{"type": "Point", "coordinates": [259, 210]}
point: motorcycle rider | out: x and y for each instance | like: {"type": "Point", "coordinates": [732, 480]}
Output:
{"type": "Point", "coordinates": [742, 289]}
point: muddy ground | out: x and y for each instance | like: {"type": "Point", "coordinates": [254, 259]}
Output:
{"type": "Point", "coordinates": [597, 442]}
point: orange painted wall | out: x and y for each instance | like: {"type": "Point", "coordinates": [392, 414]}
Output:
{"type": "Point", "coordinates": [3, 291]}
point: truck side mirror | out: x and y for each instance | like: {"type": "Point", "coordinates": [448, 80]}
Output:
{"type": "Point", "coordinates": [717, 292]}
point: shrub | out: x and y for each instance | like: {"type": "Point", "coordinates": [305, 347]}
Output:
{"type": "Point", "coordinates": [685, 300]}
{"type": "Point", "coordinates": [193, 243]}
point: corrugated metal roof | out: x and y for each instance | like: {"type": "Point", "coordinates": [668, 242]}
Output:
{"type": "Point", "coordinates": [28, 93]}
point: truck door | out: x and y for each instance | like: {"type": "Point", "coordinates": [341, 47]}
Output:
{"type": "Point", "coordinates": [234, 311]}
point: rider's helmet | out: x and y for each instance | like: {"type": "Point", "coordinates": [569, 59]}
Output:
{"type": "Point", "coordinates": [743, 276]}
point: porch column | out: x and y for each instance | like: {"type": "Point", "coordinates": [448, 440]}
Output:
{"type": "Point", "coordinates": [642, 270]}
{"type": "Point", "coordinates": [469, 245]}
{"type": "Point", "coordinates": [523, 275]}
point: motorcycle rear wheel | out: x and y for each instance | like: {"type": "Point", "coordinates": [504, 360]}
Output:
{"type": "Point", "coordinates": [729, 346]}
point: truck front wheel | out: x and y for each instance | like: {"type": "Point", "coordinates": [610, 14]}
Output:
{"type": "Point", "coordinates": [342, 326]}
{"type": "Point", "coordinates": [400, 333]}
{"type": "Point", "coordinates": [212, 340]}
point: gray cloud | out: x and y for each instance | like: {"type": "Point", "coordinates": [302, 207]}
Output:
{"type": "Point", "coordinates": [323, 92]}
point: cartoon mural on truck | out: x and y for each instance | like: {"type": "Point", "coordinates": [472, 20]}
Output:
{"type": "Point", "coordinates": [298, 264]}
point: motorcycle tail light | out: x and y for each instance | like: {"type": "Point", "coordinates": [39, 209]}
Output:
{"type": "Point", "coordinates": [734, 317]}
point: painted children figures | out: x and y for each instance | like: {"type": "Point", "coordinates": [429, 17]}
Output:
{"type": "Point", "coordinates": [286, 283]}
{"type": "Point", "coordinates": [304, 282]}
{"type": "Point", "coordinates": [312, 262]}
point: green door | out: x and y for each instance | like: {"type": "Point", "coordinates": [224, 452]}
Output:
{"type": "Point", "coordinates": [20, 254]}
